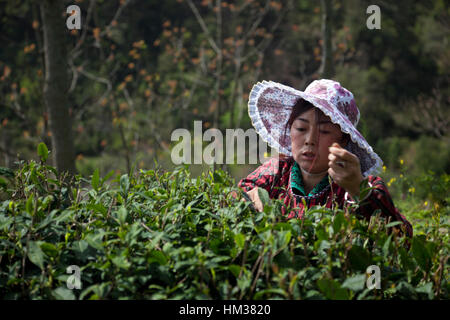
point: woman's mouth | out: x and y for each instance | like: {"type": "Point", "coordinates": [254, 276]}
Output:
{"type": "Point", "coordinates": [307, 155]}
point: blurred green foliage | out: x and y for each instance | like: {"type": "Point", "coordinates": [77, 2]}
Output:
{"type": "Point", "coordinates": [153, 69]}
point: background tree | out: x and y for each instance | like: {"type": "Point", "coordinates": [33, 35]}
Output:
{"type": "Point", "coordinates": [327, 67]}
{"type": "Point", "coordinates": [57, 84]}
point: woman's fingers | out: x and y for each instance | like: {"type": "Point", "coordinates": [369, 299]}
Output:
{"type": "Point", "coordinates": [336, 176]}
{"type": "Point", "coordinates": [339, 163]}
{"type": "Point", "coordinates": [254, 196]}
{"type": "Point", "coordinates": [341, 155]}
{"type": "Point", "coordinates": [337, 166]}
{"type": "Point", "coordinates": [331, 172]}
{"type": "Point", "coordinates": [344, 168]}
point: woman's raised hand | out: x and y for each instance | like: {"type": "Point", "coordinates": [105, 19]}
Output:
{"type": "Point", "coordinates": [254, 196]}
{"type": "Point", "coordinates": [345, 169]}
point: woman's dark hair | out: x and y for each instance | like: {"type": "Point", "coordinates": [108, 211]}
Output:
{"type": "Point", "coordinates": [300, 107]}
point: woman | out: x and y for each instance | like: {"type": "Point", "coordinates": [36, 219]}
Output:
{"type": "Point", "coordinates": [315, 134]}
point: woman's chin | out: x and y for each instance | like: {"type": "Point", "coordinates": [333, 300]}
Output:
{"type": "Point", "coordinates": [306, 166]}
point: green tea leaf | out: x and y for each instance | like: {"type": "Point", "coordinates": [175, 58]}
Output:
{"type": "Point", "coordinates": [122, 214]}
{"type": "Point", "coordinates": [109, 175]}
{"type": "Point", "coordinates": [284, 238]}
{"type": "Point", "coordinates": [218, 178]}
{"type": "Point", "coordinates": [421, 253]}
{"type": "Point", "coordinates": [338, 222]}
{"type": "Point", "coordinates": [3, 183]}
{"type": "Point", "coordinates": [386, 245]}
{"type": "Point", "coordinates": [121, 262]}
{"type": "Point", "coordinates": [29, 205]}
{"type": "Point", "coordinates": [95, 180]}
{"type": "Point", "coordinates": [355, 283]}
{"type": "Point", "coordinates": [63, 294]}
{"type": "Point", "coordinates": [158, 257]}
{"type": "Point", "coordinates": [5, 222]}
{"type": "Point", "coordinates": [235, 270]}
{"type": "Point", "coordinates": [124, 183]}
{"type": "Point", "coordinates": [95, 241]}
{"type": "Point", "coordinates": [427, 289]}
{"type": "Point", "coordinates": [240, 240]}
{"type": "Point", "coordinates": [407, 290]}
{"type": "Point", "coordinates": [49, 249]}
{"type": "Point", "coordinates": [359, 258]}
{"type": "Point", "coordinates": [393, 224]}
{"type": "Point", "coordinates": [332, 289]}
{"type": "Point", "coordinates": [97, 207]}
{"type": "Point", "coordinates": [270, 293]}
{"type": "Point", "coordinates": [263, 196]}
{"type": "Point", "coordinates": [42, 151]}
{"type": "Point", "coordinates": [35, 254]}
{"type": "Point", "coordinates": [80, 246]}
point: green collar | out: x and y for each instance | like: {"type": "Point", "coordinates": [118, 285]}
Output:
{"type": "Point", "coordinates": [297, 182]}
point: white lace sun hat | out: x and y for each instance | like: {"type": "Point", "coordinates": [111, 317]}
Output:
{"type": "Point", "coordinates": [270, 106]}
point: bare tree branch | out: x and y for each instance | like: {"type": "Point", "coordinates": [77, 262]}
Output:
{"type": "Point", "coordinates": [203, 26]}
{"type": "Point", "coordinates": [74, 53]}
{"type": "Point", "coordinates": [258, 21]}
{"type": "Point", "coordinates": [153, 130]}
{"type": "Point", "coordinates": [326, 69]}
{"type": "Point", "coordinates": [262, 46]}
{"type": "Point", "coordinates": [116, 16]}
{"type": "Point", "coordinates": [98, 79]}
{"type": "Point", "coordinates": [430, 113]}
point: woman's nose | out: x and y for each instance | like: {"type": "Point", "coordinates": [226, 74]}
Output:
{"type": "Point", "coordinates": [311, 137]}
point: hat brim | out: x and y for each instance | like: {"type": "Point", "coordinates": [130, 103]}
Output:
{"type": "Point", "coordinates": [270, 106]}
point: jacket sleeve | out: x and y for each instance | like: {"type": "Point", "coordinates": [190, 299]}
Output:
{"type": "Point", "coordinates": [380, 198]}
{"type": "Point", "coordinates": [265, 176]}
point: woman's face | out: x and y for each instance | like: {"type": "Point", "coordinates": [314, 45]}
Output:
{"type": "Point", "coordinates": [312, 133]}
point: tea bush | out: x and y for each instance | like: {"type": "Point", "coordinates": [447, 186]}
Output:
{"type": "Point", "coordinates": [165, 235]}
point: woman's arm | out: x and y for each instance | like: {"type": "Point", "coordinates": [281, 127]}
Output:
{"type": "Point", "coordinates": [265, 176]}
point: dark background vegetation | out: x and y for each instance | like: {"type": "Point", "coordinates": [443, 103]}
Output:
{"type": "Point", "coordinates": [138, 69]}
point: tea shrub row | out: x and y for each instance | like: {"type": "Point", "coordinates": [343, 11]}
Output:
{"type": "Point", "coordinates": [164, 235]}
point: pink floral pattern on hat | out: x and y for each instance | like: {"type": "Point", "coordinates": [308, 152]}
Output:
{"type": "Point", "coordinates": [270, 105]}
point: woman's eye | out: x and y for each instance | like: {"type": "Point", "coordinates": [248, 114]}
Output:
{"type": "Point", "coordinates": [324, 131]}
{"type": "Point", "coordinates": [301, 129]}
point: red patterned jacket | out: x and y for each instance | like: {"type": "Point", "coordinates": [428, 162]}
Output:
{"type": "Point", "coordinates": [275, 176]}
